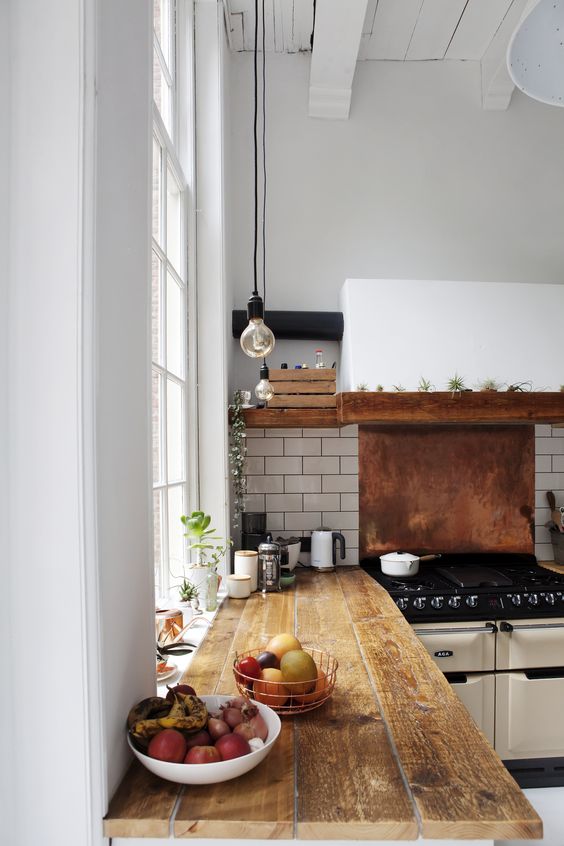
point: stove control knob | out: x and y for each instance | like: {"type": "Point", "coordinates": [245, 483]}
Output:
{"type": "Point", "coordinates": [454, 602]}
{"type": "Point", "coordinates": [533, 599]}
{"type": "Point", "coordinates": [516, 599]}
{"type": "Point", "coordinates": [437, 602]}
{"type": "Point", "coordinates": [401, 603]}
{"type": "Point", "coordinates": [471, 601]}
{"type": "Point", "coordinates": [550, 598]}
{"type": "Point", "coordinates": [419, 602]}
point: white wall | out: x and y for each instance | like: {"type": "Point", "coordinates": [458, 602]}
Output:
{"type": "Point", "coordinates": [419, 183]}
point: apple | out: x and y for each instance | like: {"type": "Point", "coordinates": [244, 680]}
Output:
{"type": "Point", "coordinates": [232, 746]}
{"type": "Point", "coordinates": [202, 755]}
{"type": "Point", "coordinates": [201, 738]}
{"type": "Point", "coordinates": [180, 688]}
{"type": "Point", "coordinates": [168, 745]}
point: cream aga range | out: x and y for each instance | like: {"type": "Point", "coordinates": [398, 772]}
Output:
{"type": "Point", "coordinates": [494, 624]}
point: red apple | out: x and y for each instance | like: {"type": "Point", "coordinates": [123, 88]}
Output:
{"type": "Point", "coordinates": [201, 738]}
{"type": "Point", "coordinates": [232, 746]}
{"type": "Point", "coordinates": [168, 745]}
{"type": "Point", "coordinates": [202, 755]}
{"type": "Point", "coordinates": [180, 688]}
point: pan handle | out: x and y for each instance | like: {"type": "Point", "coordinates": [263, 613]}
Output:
{"type": "Point", "coordinates": [430, 557]}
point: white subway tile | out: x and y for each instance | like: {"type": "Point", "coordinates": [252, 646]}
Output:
{"type": "Point", "coordinates": [544, 552]}
{"type": "Point", "coordinates": [285, 433]}
{"type": "Point", "coordinates": [543, 463]}
{"type": "Point", "coordinates": [254, 465]}
{"type": "Point", "coordinates": [549, 481]}
{"type": "Point", "coordinates": [302, 520]}
{"type": "Point", "coordinates": [543, 430]}
{"type": "Point", "coordinates": [558, 431]}
{"type": "Point", "coordinates": [321, 502]}
{"type": "Point", "coordinates": [254, 433]}
{"type": "Point", "coordinates": [302, 484]}
{"type": "Point", "coordinates": [283, 465]}
{"type": "Point", "coordinates": [254, 502]}
{"type": "Point", "coordinates": [327, 464]}
{"type": "Point", "coordinates": [542, 535]}
{"type": "Point", "coordinates": [265, 446]}
{"type": "Point", "coordinates": [302, 446]}
{"type": "Point", "coordinates": [284, 502]}
{"type": "Point", "coordinates": [350, 431]}
{"type": "Point", "coordinates": [339, 446]}
{"type": "Point", "coordinates": [275, 522]}
{"type": "Point", "coordinates": [351, 558]}
{"type": "Point", "coordinates": [339, 484]}
{"type": "Point", "coordinates": [542, 516]}
{"type": "Point", "coordinates": [320, 433]}
{"type": "Point", "coordinates": [549, 446]}
{"type": "Point", "coordinates": [265, 484]}
{"type": "Point", "coordinates": [540, 497]}
{"type": "Point", "coordinates": [349, 502]}
{"type": "Point", "coordinates": [351, 537]}
{"type": "Point", "coordinates": [558, 463]}
{"type": "Point", "coordinates": [349, 464]}
{"type": "Point", "coordinates": [338, 520]}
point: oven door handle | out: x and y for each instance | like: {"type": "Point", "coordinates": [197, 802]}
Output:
{"type": "Point", "coordinates": [487, 628]}
{"type": "Point", "coordinates": [509, 627]}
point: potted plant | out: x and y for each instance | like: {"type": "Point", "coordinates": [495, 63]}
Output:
{"type": "Point", "coordinates": [188, 593]}
{"type": "Point", "coordinates": [208, 554]}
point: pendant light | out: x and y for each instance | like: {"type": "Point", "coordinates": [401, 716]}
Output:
{"type": "Point", "coordinates": [257, 340]}
{"type": "Point", "coordinates": [535, 57]}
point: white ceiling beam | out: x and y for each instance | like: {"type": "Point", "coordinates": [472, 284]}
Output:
{"type": "Point", "coordinates": [336, 41]}
{"type": "Point", "coordinates": [497, 85]}
{"type": "Point", "coordinates": [479, 24]}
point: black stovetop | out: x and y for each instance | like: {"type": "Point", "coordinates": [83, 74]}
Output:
{"type": "Point", "coordinates": [475, 586]}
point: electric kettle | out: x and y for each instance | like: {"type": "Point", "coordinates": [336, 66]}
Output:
{"type": "Point", "coordinates": [323, 548]}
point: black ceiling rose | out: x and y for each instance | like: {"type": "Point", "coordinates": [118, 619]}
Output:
{"type": "Point", "coordinates": [297, 325]}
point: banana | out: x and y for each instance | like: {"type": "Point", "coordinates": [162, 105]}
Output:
{"type": "Point", "coordinates": [150, 708]}
{"type": "Point", "coordinates": [187, 713]}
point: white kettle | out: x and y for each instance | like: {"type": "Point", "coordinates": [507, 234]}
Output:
{"type": "Point", "coordinates": [323, 548]}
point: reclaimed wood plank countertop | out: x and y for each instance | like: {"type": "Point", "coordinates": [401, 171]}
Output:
{"type": "Point", "coordinates": [393, 755]}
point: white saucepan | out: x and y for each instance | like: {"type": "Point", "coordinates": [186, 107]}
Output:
{"type": "Point", "coordinates": [403, 563]}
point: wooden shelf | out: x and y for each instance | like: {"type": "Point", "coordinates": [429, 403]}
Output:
{"type": "Point", "coordinates": [503, 408]}
{"type": "Point", "coordinates": [288, 418]}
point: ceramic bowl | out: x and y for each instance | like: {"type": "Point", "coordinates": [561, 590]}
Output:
{"type": "Point", "coordinates": [222, 770]}
{"type": "Point", "coordinates": [287, 580]}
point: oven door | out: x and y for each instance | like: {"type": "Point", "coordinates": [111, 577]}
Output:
{"type": "Point", "coordinates": [526, 644]}
{"type": "Point", "coordinates": [459, 647]}
{"type": "Point", "coordinates": [529, 709]}
{"type": "Point", "coordinates": [477, 694]}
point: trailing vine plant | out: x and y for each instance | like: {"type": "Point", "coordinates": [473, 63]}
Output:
{"type": "Point", "coordinates": [238, 456]}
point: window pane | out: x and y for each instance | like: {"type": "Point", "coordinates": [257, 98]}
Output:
{"type": "Point", "coordinates": [156, 210]}
{"type": "Point", "coordinates": [174, 431]}
{"type": "Point", "coordinates": [162, 94]}
{"type": "Point", "coordinates": [156, 308]}
{"type": "Point", "coordinates": [173, 222]}
{"type": "Point", "coordinates": [157, 540]}
{"type": "Point", "coordinates": [175, 325]}
{"type": "Point", "coordinates": [161, 23]}
{"type": "Point", "coordinates": [156, 415]}
{"type": "Point", "coordinates": [176, 539]}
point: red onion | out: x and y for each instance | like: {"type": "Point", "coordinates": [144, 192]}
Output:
{"type": "Point", "coordinates": [259, 725]}
{"type": "Point", "coordinates": [246, 730]}
{"type": "Point", "coordinates": [232, 716]}
{"type": "Point", "coordinates": [236, 702]}
{"type": "Point", "coordinates": [217, 728]}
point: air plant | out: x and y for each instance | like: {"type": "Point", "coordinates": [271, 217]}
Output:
{"type": "Point", "coordinates": [520, 387]}
{"type": "Point", "coordinates": [561, 388]}
{"type": "Point", "coordinates": [379, 388]}
{"type": "Point", "coordinates": [187, 590]}
{"type": "Point", "coordinates": [456, 384]}
{"type": "Point", "coordinates": [399, 388]}
{"type": "Point", "coordinates": [424, 386]}
{"type": "Point", "coordinates": [362, 386]}
{"type": "Point", "coordinates": [489, 385]}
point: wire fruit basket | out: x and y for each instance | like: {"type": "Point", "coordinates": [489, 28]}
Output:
{"type": "Point", "coordinates": [290, 697]}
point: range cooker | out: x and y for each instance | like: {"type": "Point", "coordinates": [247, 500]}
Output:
{"type": "Point", "coordinates": [494, 624]}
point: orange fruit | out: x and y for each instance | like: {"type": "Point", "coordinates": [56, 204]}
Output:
{"type": "Point", "coordinates": [269, 688]}
{"type": "Point", "coordinates": [319, 691]}
{"type": "Point", "coordinates": [282, 643]}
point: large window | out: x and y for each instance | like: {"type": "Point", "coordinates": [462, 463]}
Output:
{"type": "Point", "coordinates": [170, 298]}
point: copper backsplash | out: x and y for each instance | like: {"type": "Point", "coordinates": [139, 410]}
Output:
{"type": "Point", "coordinates": [446, 489]}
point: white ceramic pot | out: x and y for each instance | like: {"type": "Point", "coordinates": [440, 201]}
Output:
{"type": "Point", "coordinates": [403, 563]}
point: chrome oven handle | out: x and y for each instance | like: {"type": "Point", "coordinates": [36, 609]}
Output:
{"type": "Point", "coordinates": [487, 628]}
{"type": "Point", "coordinates": [509, 627]}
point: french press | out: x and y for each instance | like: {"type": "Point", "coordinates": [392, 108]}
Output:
{"type": "Point", "coordinates": [269, 555]}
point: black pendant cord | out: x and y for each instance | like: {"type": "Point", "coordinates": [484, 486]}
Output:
{"type": "Point", "coordinates": [255, 274]}
{"type": "Point", "coordinates": [263, 158]}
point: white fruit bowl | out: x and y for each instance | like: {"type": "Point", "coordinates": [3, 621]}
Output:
{"type": "Point", "coordinates": [221, 770]}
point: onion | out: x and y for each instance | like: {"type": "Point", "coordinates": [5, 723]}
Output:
{"type": "Point", "coordinates": [246, 730]}
{"type": "Point", "coordinates": [259, 725]}
{"type": "Point", "coordinates": [255, 743]}
{"type": "Point", "coordinates": [236, 702]}
{"type": "Point", "coordinates": [217, 728]}
{"type": "Point", "coordinates": [249, 710]}
{"type": "Point", "coordinates": [232, 716]}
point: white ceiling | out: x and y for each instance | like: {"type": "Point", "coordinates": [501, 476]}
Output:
{"type": "Point", "coordinates": [391, 30]}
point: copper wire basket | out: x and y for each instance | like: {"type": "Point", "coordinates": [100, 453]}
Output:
{"type": "Point", "coordinates": [289, 697]}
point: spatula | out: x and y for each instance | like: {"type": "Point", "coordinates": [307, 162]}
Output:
{"type": "Point", "coordinates": [555, 514]}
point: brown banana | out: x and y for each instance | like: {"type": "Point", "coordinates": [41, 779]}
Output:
{"type": "Point", "coordinates": [150, 708]}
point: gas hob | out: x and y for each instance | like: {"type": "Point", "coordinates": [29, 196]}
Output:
{"type": "Point", "coordinates": [475, 586]}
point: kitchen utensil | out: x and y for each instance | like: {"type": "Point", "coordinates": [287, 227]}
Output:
{"type": "Point", "coordinates": [323, 548]}
{"type": "Point", "coordinates": [269, 566]}
{"type": "Point", "coordinates": [222, 770]}
{"type": "Point", "coordinates": [239, 586]}
{"type": "Point", "coordinates": [555, 513]}
{"type": "Point", "coordinates": [246, 563]}
{"type": "Point", "coordinates": [403, 563]}
{"type": "Point", "coordinates": [299, 702]}
{"type": "Point", "coordinates": [293, 546]}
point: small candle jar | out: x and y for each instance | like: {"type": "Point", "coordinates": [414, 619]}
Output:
{"type": "Point", "coordinates": [239, 586]}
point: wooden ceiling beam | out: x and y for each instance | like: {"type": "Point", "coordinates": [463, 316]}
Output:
{"type": "Point", "coordinates": [336, 41]}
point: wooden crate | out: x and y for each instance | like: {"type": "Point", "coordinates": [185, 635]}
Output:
{"type": "Point", "coordinates": [309, 388]}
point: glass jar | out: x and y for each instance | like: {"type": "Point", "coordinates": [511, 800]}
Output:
{"type": "Point", "coordinates": [212, 584]}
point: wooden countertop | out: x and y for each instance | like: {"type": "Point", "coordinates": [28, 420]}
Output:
{"type": "Point", "coordinates": [393, 755]}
